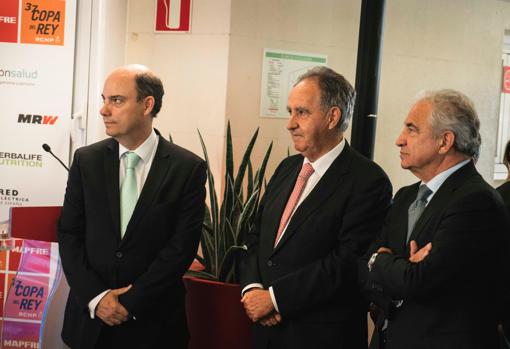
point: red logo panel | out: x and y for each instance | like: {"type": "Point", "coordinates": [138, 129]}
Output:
{"type": "Point", "coordinates": [9, 20]}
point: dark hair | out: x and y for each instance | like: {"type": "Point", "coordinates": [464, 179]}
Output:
{"type": "Point", "coordinates": [148, 84]}
{"type": "Point", "coordinates": [506, 155]}
{"type": "Point", "coordinates": [336, 91]}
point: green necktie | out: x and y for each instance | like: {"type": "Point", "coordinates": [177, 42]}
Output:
{"type": "Point", "coordinates": [128, 191]}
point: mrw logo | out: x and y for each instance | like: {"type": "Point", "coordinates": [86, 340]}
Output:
{"type": "Point", "coordinates": [37, 119]}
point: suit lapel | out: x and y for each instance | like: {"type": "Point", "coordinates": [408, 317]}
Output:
{"type": "Point", "coordinates": [279, 199]}
{"type": "Point", "coordinates": [111, 165]}
{"type": "Point", "coordinates": [320, 193]}
{"type": "Point", "coordinates": [155, 177]}
{"type": "Point", "coordinates": [440, 199]}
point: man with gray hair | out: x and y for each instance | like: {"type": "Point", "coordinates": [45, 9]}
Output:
{"type": "Point", "coordinates": [320, 211]}
{"type": "Point", "coordinates": [438, 269]}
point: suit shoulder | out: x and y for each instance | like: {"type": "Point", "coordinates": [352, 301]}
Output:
{"type": "Point", "coordinates": [95, 149]}
{"type": "Point", "coordinates": [289, 162]}
{"type": "Point", "coordinates": [476, 188]}
{"type": "Point", "coordinates": [361, 164]}
{"type": "Point", "coordinates": [180, 153]}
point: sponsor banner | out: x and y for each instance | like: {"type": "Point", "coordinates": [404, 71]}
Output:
{"type": "Point", "coordinates": [30, 274]}
{"type": "Point", "coordinates": [9, 20]}
{"type": "Point", "coordinates": [36, 82]}
{"type": "Point", "coordinates": [42, 22]}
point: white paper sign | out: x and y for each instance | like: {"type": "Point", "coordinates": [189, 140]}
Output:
{"type": "Point", "coordinates": [280, 70]}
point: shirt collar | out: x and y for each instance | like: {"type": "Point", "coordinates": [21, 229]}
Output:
{"type": "Point", "coordinates": [322, 164]}
{"type": "Point", "coordinates": [144, 151]}
{"type": "Point", "coordinates": [435, 183]}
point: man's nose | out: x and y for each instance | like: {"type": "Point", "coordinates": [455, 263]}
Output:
{"type": "Point", "coordinates": [291, 123]}
{"type": "Point", "coordinates": [104, 111]}
{"type": "Point", "coordinates": [400, 141]}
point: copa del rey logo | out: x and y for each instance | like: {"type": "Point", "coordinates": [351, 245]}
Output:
{"type": "Point", "coordinates": [37, 119]}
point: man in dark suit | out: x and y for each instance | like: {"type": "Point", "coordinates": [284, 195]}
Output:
{"type": "Point", "coordinates": [320, 211]}
{"type": "Point", "coordinates": [504, 189]}
{"type": "Point", "coordinates": [130, 225]}
{"type": "Point", "coordinates": [439, 268]}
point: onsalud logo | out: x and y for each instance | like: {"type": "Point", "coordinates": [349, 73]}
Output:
{"type": "Point", "coordinates": [22, 73]}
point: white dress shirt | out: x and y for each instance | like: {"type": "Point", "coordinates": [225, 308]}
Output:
{"type": "Point", "coordinates": [146, 152]}
{"type": "Point", "coordinates": [435, 183]}
{"type": "Point", "coordinates": [320, 166]}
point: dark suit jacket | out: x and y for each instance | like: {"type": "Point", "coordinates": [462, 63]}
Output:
{"type": "Point", "coordinates": [159, 244]}
{"type": "Point", "coordinates": [312, 269]}
{"type": "Point", "coordinates": [504, 191]}
{"type": "Point", "coordinates": [452, 298]}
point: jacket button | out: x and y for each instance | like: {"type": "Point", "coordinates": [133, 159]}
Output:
{"type": "Point", "coordinates": [118, 254]}
{"type": "Point", "coordinates": [269, 263]}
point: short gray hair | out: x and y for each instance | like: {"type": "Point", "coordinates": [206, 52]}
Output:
{"type": "Point", "coordinates": [336, 91]}
{"type": "Point", "coordinates": [453, 111]}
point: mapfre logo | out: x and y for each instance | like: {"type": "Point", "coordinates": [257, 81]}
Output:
{"type": "Point", "coordinates": [9, 20]}
{"type": "Point", "coordinates": [37, 119]}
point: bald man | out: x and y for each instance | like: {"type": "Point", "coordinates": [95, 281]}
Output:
{"type": "Point", "coordinates": [130, 225]}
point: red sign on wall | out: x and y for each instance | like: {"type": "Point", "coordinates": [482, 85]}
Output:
{"type": "Point", "coordinates": [9, 20]}
{"type": "Point", "coordinates": [173, 16]}
{"type": "Point", "coordinates": [506, 79]}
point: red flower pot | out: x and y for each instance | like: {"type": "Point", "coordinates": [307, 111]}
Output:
{"type": "Point", "coordinates": [216, 316]}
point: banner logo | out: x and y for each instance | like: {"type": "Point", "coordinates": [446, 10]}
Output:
{"type": "Point", "coordinates": [43, 22]}
{"type": "Point", "coordinates": [37, 119]}
{"type": "Point", "coordinates": [11, 197]}
{"type": "Point", "coordinates": [20, 159]}
{"type": "Point", "coordinates": [9, 20]}
{"type": "Point", "coordinates": [18, 76]}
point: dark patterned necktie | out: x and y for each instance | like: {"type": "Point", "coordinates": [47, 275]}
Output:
{"type": "Point", "coordinates": [417, 208]}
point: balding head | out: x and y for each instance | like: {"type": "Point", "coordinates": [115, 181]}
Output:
{"type": "Point", "coordinates": [146, 83]}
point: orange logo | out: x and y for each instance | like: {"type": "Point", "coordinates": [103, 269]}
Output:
{"type": "Point", "coordinates": [43, 22]}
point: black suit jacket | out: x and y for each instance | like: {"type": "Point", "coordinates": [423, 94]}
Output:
{"type": "Point", "coordinates": [312, 269]}
{"type": "Point", "coordinates": [504, 191]}
{"type": "Point", "coordinates": [452, 299]}
{"type": "Point", "coordinates": [159, 244]}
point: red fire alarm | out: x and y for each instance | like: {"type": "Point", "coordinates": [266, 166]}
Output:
{"type": "Point", "coordinates": [506, 79]}
{"type": "Point", "coordinates": [173, 16]}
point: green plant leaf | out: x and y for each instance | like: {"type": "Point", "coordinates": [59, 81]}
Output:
{"type": "Point", "coordinates": [250, 181]}
{"type": "Point", "coordinates": [247, 213]}
{"type": "Point", "coordinates": [229, 260]}
{"type": "Point", "coordinates": [227, 222]}
{"type": "Point", "coordinates": [208, 250]}
{"type": "Point", "coordinates": [213, 199]}
{"type": "Point", "coordinates": [229, 154]}
{"type": "Point", "coordinates": [244, 163]}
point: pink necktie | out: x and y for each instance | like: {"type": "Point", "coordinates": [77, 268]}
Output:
{"type": "Point", "coordinates": [306, 172]}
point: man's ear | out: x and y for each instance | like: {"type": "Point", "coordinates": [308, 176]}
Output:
{"type": "Point", "coordinates": [148, 105]}
{"type": "Point", "coordinates": [335, 117]}
{"type": "Point", "coordinates": [447, 140]}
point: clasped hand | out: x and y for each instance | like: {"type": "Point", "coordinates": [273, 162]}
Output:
{"type": "Point", "coordinates": [109, 308]}
{"type": "Point", "coordinates": [259, 307]}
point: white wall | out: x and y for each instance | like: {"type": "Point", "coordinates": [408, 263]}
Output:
{"type": "Point", "coordinates": [213, 74]}
{"type": "Point", "coordinates": [323, 26]}
{"type": "Point", "coordinates": [440, 44]}
{"type": "Point", "coordinates": [193, 68]}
